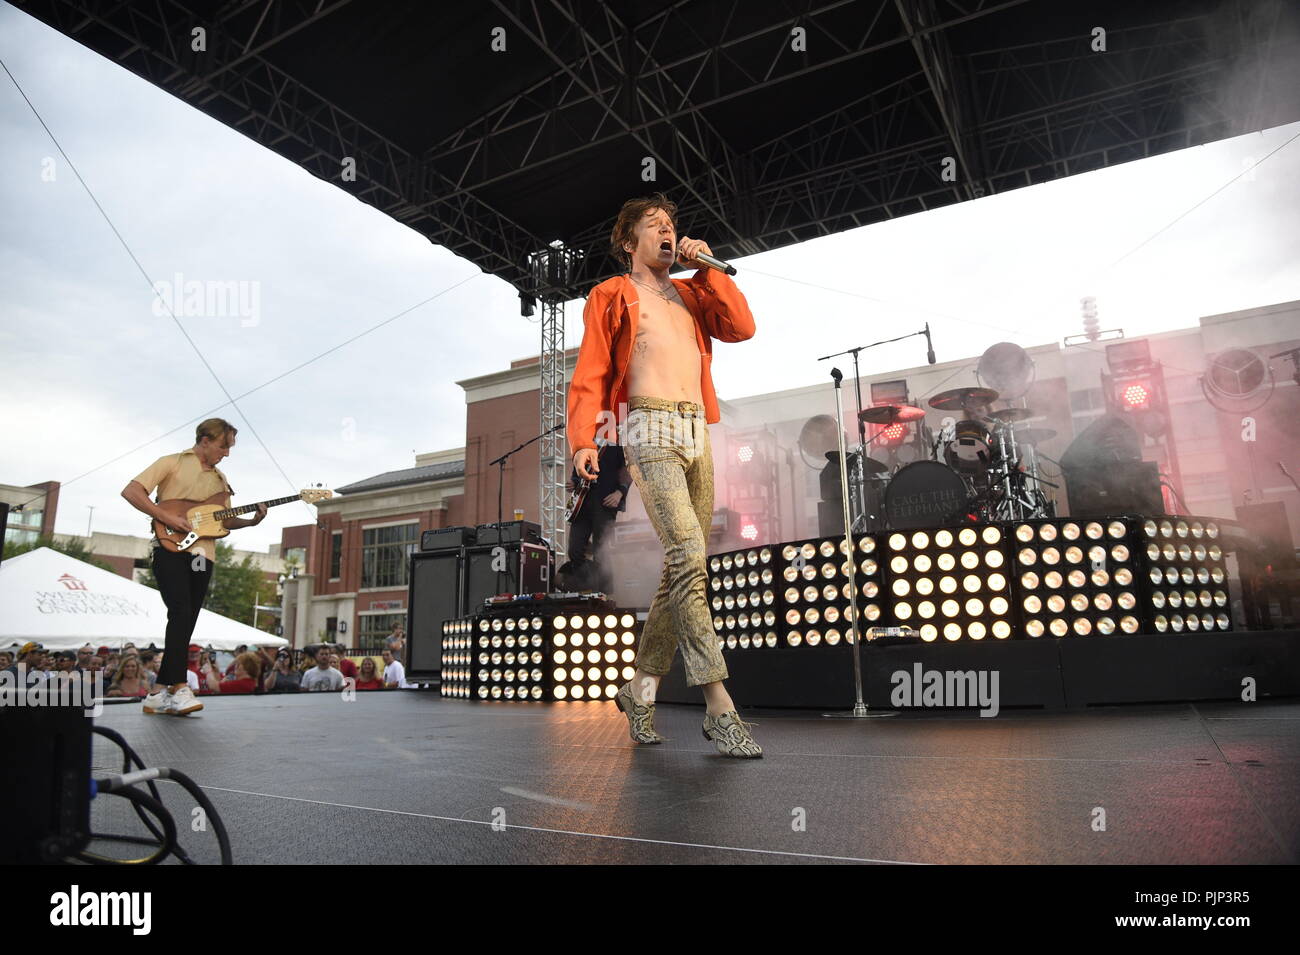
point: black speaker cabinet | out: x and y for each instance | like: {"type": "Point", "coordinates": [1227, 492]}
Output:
{"type": "Point", "coordinates": [436, 594]}
{"type": "Point", "coordinates": [483, 579]}
{"type": "Point", "coordinates": [48, 801]}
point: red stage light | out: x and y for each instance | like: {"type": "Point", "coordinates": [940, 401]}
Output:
{"type": "Point", "coordinates": [1136, 396]}
{"type": "Point", "coordinates": [749, 532]}
{"type": "Point", "coordinates": [893, 432]}
{"type": "Point", "coordinates": [745, 453]}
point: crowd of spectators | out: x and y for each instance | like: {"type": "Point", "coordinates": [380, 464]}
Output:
{"type": "Point", "coordinates": [132, 672]}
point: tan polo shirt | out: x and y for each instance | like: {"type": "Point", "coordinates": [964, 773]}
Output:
{"type": "Point", "coordinates": [182, 476]}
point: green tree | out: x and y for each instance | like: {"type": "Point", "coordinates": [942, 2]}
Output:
{"type": "Point", "coordinates": [237, 586]}
{"type": "Point", "coordinates": [73, 548]}
{"type": "Point", "coordinates": [234, 588]}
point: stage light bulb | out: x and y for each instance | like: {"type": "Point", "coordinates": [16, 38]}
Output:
{"type": "Point", "coordinates": [1001, 629]}
{"type": "Point", "coordinates": [952, 631]}
{"type": "Point", "coordinates": [920, 540]}
{"type": "Point", "coordinates": [1034, 628]}
{"type": "Point", "coordinates": [901, 587]}
{"type": "Point", "coordinates": [976, 630]}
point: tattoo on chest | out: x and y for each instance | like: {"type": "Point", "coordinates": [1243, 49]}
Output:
{"type": "Point", "coordinates": [641, 347]}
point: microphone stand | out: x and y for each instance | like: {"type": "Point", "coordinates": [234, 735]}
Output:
{"type": "Point", "coordinates": [501, 479]}
{"type": "Point", "coordinates": [862, 425]}
{"type": "Point", "coordinates": [860, 709]}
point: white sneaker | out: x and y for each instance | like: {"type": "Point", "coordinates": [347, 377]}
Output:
{"type": "Point", "coordinates": [184, 702]}
{"type": "Point", "coordinates": [159, 700]}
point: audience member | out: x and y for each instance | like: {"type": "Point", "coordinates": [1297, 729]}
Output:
{"type": "Point", "coordinates": [83, 657]}
{"type": "Point", "coordinates": [242, 648]}
{"type": "Point", "coordinates": [31, 658]}
{"type": "Point", "coordinates": [283, 677]}
{"type": "Point", "coordinates": [242, 679]}
{"type": "Point", "coordinates": [397, 640]}
{"type": "Point", "coordinates": [394, 672]}
{"type": "Point", "coordinates": [322, 676]}
{"type": "Point", "coordinates": [6, 659]}
{"type": "Point", "coordinates": [368, 676]}
{"type": "Point", "coordinates": [149, 663]}
{"type": "Point", "coordinates": [129, 680]}
{"type": "Point", "coordinates": [345, 666]}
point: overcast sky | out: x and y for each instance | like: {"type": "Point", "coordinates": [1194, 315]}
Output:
{"type": "Point", "coordinates": [96, 385]}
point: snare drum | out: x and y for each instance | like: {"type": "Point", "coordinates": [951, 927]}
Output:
{"type": "Point", "coordinates": [970, 451]}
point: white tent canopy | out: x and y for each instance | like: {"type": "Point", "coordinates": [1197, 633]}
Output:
{"type": "Point", "coordinates": [63, 603]}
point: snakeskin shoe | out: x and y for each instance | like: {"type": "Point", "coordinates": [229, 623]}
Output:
{"type": "Point", "coordinates": [640, 716]}
{"type": "Point", "coordinates": [730, 734]}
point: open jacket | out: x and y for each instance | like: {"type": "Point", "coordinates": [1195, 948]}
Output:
{"type": "Point", "coordinates": [610, 318]}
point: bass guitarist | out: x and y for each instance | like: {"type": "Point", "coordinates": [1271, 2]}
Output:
{"type": "Point", "coordinates": [183, 576]}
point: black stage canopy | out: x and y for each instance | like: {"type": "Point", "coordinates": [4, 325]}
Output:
{"type": "Point", "coordinates": [769, 122]}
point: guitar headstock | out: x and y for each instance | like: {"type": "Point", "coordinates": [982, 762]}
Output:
{"type": "Point", "coordinates": [313, 494]}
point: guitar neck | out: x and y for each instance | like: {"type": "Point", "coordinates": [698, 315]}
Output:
{"type": "Point", "coordinates": [250, 508]}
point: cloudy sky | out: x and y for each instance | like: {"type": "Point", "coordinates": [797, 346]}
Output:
{"type": "Point", "coordinates": [97, 384]}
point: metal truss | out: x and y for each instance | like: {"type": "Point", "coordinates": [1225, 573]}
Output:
{"type": "Point", "coordinates": [234, 83]}
{"type": "Point", "coordinates": [1006, 116]}
{"type": "Point", "coordinates": [549, 269]}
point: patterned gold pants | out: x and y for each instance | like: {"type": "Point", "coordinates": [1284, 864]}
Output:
{"type": "Point", "coordinates": [667, 450]}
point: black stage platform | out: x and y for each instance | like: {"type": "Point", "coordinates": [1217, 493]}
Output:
{"type": "Point", "coordinates": [409, 777]}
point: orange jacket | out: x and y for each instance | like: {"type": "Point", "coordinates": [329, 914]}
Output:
{"type": "Point", "coordinates": [599, 388]}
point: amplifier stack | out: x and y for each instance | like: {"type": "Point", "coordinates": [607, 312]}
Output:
{"type": "Point", "coordinates": [456, 569]}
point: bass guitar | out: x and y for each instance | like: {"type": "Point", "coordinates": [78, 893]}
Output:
{"type": "Point", "coordinates": [205, 517]}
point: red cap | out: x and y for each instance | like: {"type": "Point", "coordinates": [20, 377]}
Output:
{"type": "Point", "coordinates": [195, 648]}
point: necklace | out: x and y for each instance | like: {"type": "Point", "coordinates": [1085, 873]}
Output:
{"type": "Point", "coordinates": [656, 290]}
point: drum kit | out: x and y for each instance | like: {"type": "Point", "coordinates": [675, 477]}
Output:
{"type": "Point", "coordinates": [979, 466]}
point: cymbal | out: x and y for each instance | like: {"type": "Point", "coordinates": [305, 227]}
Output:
{"type": "Point", "coordinates": [872, 465]}
{"type": "Point", "coordinates": [959, 399]}
{"type": "Point", "coordinates": [1034, 435]}
{"type": "Point", "coordinates": [891, 414]}
{"type": "Point", "coordinates": [1011, 414]}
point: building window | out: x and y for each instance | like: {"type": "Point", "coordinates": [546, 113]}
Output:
{"type": "Point", "coordinates": [375, 629]}
{"type": "Point", "coordinates": [331, 629]}
{"type": "Point", "coordinates": [336, 555]}
{"type": "Point", "coordinates": [385, 554]}
{"type": "Point", "coordinates": [1086, 399]}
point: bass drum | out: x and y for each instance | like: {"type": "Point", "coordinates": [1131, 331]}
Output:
{"type": "Point", "coordinates": [924, 494]}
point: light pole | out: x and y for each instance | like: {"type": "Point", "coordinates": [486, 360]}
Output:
{"type": "Point", "coordinates": [90, 519]}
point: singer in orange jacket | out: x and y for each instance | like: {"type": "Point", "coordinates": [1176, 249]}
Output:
{"type": "Point", "coordinates": [645, 363]}
{"type": "Point", "coordinates": [598, 391]}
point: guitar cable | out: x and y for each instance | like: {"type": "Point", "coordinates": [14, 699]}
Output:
{"type": "Point", "coordinates": [163, 841]}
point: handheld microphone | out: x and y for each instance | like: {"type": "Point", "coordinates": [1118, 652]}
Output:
{"type": "Point", "coordinates": [929, 344]}
{"type": "Point", "coordinates": [714, 263]}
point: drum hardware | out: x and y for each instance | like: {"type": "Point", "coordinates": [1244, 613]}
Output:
{"type": "Point", "coordinates": [1010, 415]}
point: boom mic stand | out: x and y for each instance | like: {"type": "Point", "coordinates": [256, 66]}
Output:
{"type": "Point", "coordinates": [860, 709]}
{"type": "Point", "coordinates": [501, 480]}
{"type": "Point", "coordinates": [862, 425]}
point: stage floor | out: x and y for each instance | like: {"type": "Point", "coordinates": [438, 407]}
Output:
{"type": "Point", "coordinates": [408, 777]}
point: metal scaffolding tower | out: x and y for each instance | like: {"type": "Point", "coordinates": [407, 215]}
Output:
{"type": "Point", "coordinates": [550, 270]}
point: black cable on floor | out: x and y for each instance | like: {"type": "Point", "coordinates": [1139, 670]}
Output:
{"type": "Point", "coordinates": [124, 786]}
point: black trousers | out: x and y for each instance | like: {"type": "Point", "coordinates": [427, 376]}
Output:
{"type": "Point", "coordinates": [587, 537]}
{"type": "Point", "coordinates": [183, 589]}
